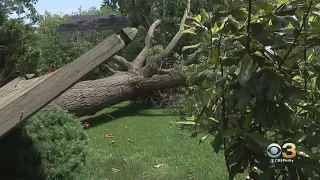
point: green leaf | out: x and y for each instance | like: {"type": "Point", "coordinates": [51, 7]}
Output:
{"type": "Point", "coordinates": [186, 122]}
{"type": "Point", "coordinates": [274, 87]}
{"type": "Point", "coordinates": [318, 82]}
{"type": "Point", "coordinates": [203, 139]}
{"type": "Point", "coordinates": [192, 118]}
{"type": "Point", "coordinates": [318, 6]}
{"type": "Point", "coordinates": [222, 81]}
{"type": "Point", "coordinates": [306, 153]}
{"type": "Point", "coordinates": [237, 154]}
{"type": "Point", "coordinates": [280, 2]}
{"type": "Point", "coordinates": [205, 13]}
{"type": "Point", "coordinates": [197, 18]}
{"type": "Point", "coordinates": [299, 138]}
{"type": "Point", "coordinates": [246, 69]}
{"type": "Point", "coordinates": [191, 47]}
{"type": "Point", "coordinates": [310, 57]}
{"type": "Point", "coordinates": [218, 141]}
{"type": "Point", "coordinates": [259, 139]}
{"type": "Point", "coordinates": [214, 59]}
{"type": "Point", "coordinates": [243, 99]}
{"type": "Point", "coordinates": [231, 132]}
{"type": "Point", "coordinates": [216, 27]}
{"type": "Point", "coordinates": [288, 63]}
{"type": "Point", "coordinates": [207, 83]}
{"type": "Point", "coordinates": [247, 123]}
{"type": "Point", "coordinates": [267, 7]}
{"type": "Point", "coordinates": [213, 119]}
{"type": "Point", "coordinates": [189, 31]}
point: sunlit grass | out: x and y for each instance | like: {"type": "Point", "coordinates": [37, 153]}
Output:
{"type": "Point", "coordinates": [142, 139]}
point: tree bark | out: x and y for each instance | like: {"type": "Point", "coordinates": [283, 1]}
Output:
{"type": "Point", "coordinates": [89, 97]}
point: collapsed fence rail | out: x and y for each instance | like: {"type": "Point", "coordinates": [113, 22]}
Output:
{"type": "Point", "coordinates": [20, 98]}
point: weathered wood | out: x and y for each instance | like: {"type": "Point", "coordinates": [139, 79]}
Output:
{"type": "Point", "coordinates": [9, 87]}
{"type": "Point", "coordinates": [38, 92]}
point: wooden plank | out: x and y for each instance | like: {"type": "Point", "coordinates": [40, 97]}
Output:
{"type": "Point", "coordinates": [21, 88]}
{"type": "Point", "coordinates": [40, 93]}
{"type": "Point", "coordinates": [8, 87]}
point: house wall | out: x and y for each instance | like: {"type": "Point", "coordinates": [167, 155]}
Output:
{"type": "Point", "coordinates": [82, 34]}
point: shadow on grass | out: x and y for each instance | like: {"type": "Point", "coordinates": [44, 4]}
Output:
{"type": "Point", "coordinates": [117, 112]}
{"type": "Point", "coordinates": [19, 158]}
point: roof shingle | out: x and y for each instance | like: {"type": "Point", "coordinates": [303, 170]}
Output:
{"type": "Point", "coordinates": [93, 21]}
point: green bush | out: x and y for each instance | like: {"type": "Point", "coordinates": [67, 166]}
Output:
{"type": "Point", "coordinates": [50, 145]}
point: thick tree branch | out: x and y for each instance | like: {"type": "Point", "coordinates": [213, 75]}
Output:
{"type": "Point", "coordinates": [140, 59]}
{"type": "Point", "coordinates": [165, 71]}
{"type": "Point", "coordinates": [166, 52]}
{"type": "Point", "coordinates": [123, 62]}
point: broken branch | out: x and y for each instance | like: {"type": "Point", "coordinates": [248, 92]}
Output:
{"type": "Point", "coordinates": [140, 59]}
{"type": "Point", "coordinates": [123, 62]}
{"type": "Point", "coordinates": [165, 53]}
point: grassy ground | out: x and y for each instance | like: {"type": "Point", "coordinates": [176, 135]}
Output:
{"type": "Point", "coordinates": [142, 140]}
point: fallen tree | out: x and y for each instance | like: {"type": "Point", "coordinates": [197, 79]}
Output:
{"type": "Point", "coordinates": [142, 75]}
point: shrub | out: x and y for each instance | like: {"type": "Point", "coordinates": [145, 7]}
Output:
{"type": "Point", "coordinates": [50, 145]}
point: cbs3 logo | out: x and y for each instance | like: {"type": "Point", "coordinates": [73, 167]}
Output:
{"type": "Point", "coordinates": [274, 150]}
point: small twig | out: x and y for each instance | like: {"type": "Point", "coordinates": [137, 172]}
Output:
{"type": "Point", "coordinates": [109, 68]}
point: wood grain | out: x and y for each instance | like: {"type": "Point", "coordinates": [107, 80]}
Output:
{"type": "Point", "coordinates": [28, 98]}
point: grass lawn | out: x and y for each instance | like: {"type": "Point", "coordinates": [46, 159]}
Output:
{"type": "Point", "coordinates": [144, 138]}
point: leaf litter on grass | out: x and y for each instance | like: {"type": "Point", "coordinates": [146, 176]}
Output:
{"type": "Point", "coordinates": [115, 169]}
{"type": "Point", "coordinates": [158, 166]}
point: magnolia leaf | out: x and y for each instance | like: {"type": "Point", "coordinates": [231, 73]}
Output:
{"type": "Point", "coordinates": [299, 138]}
{"type": "Point", "coordinates": [197, 18]}
{"type": "Point", "coordinates": [318, 82]}
{"type": "Point", "coordinates": [216, 28]}
{"type": "Point", "coordinates": [288, 63]}
{"type": "Point", "coordinates": [259, 139]}
{"type": "Point", "coordinates": [205, 13]}
{"type": "Point", "coordinates": [310, 57]}
{"type": "Point", "coordinates": [191, 47]}
{"type": "Point", "coordinates": [274, 87]}
{"type": "Point", "coordinates": [306, 153]}
{"type": "Point", "coordinates": [192, 118]}
{"type": "Point", "coordinates": [231, 132]}
{"type": "Point", "coordinates": [222, 81]}
{"type": "Point", "coordinates": [203, 139]}
{"type": "Point", "coordinates": [189, 31]}
{"type": "Point", "coordinates": [218, 141]}
{"type": "Point", "coordinates": [213, 119]}
{"type": "Point", "coordinates": [246, 69]}
{"type": "Point", "coordinates": [316, 13]}
{"type": "Point", "coordinates": [206, 83]}
{"type": "Point", "coordinates": [267, 7]}
{"type": "Point", "coordinates": [214, 59]}
{"type": "Point", "coordinates": [186, 122]}
{"type": "Point", "coordinates": [280, 2]}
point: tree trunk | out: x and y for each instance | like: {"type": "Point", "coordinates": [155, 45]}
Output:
{"type": "Point", "coordinates": [89, 97]}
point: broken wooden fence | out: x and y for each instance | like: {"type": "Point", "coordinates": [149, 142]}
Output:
{"type": "Point", "coordinates": [20, 98]}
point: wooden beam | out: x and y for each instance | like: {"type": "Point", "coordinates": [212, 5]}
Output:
{"type": "Point", "coordinates": [28, 99]}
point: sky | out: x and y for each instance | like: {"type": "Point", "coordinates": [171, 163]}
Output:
{"type": "Point", "coordinates": [65, 6]}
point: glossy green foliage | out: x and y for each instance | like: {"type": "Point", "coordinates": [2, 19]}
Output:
{"type": "Point", "coordinates": [267, 85]}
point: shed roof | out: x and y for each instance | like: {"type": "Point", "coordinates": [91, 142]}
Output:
{"type": "Point", "coordinates": [95, 21]}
